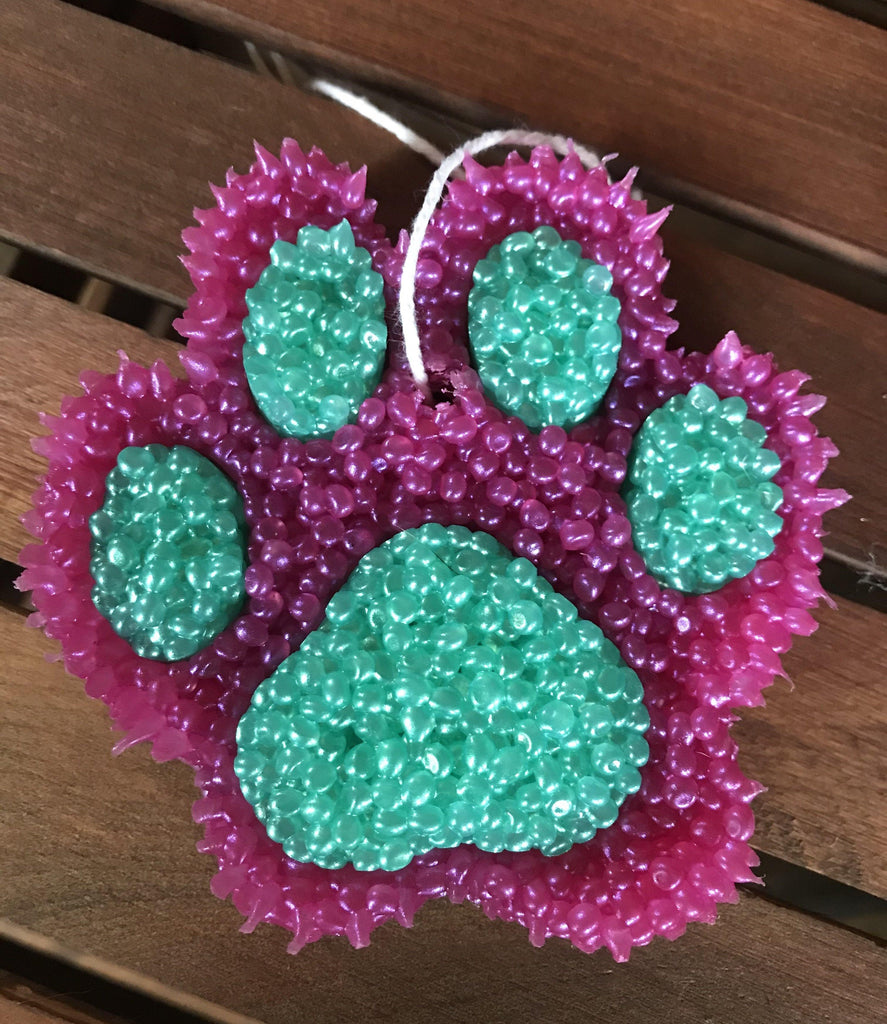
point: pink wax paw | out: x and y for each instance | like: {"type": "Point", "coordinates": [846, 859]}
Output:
{"type": "Point", "coordinates": [315, 506]}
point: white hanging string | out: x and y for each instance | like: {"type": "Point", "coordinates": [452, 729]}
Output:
{"type": "Point", "coordinates": [407, 294]}
{"type": "Point", "coordinates": [447, 166]}
{"type": "Point", "coordinates": [366, 108]}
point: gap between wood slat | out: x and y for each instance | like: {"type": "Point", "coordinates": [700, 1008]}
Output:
{"type": "Point", "coordinates": [538, 984]}
{"type": "Point", "coordinates": [832, 275]}
{"type": "Point", "coordinates": [81, 991]}
{"type": "Point", "coordinates": [54, 276]}
{"type": "Point", "coordinates": [11, 598]}
{"type": "Point", "coordinates": [863, 583]}
{"type": "Point", "coordinates": [46, 999]}
{"type": "Point", "coordinates": [872, 11]}
{"type": "Point", "coordinates": [797, 887]}
{"type": "Point", "coordinates": [776, 243]}
{"type": "Point", "coordinates": [70, 984]}
{"type": "Point", "coordinates": [196, 115]}
{"type": "Point", "coordinates": [698, 328]}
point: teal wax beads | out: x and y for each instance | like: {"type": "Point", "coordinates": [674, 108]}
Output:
{"type": "Point", "coordinates": [315, 333]}
{"type": "Point", "coordinates": [699, 496]}
{"type": "Point", "coordinates": [543, 328]}
{"type": "Point", "coordinates": [450, 696]}
{"type": "Point", "coordinates": [168, 551]}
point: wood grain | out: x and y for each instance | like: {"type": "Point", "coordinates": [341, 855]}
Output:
{"type": "Point", "coordinates": [100, 856]}
{"type": "Point", "coordinates": [840, 344]}
{"type": "Point", "coordinates": [818, 747]}
{"type": "Point", "coordinates": [67, 984]}
{"type": "Point", "coordinates": [111, 136]}
{"type": "Point", "coordinates": [24, 1003]}
{"type": "Point", "coordinates": [132, 205]}
{"type": "Point", "coordinates": [13, 1012]}
{"type": "Point", "coordinates": [777, 103]}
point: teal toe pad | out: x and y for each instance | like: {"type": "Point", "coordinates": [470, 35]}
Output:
{"type": "Point", "coordinates": [315, 333]}
{"type": "Point", "coordinates": [543, 328]}
{"type": "Point", "coordinates": [699, 492]}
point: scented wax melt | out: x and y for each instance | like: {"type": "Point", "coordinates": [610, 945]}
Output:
{"type": "Point", "coordinates": [478, 633]}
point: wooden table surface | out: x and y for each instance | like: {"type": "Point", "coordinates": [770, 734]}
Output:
{"type": "Point", "coordinates": [765, 122]}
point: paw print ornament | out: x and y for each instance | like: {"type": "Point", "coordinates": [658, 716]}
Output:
{"type": "Point", "coordinates": [457, 603]}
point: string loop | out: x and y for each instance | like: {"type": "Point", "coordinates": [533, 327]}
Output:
{"type": "Point", "coordinates": [407, 293]}
{"type": "Point", "coordinates": [447, 165]}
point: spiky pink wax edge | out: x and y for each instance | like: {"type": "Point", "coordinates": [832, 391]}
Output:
{"type": "Point", "coordinates": [680, 845]}
{"type": "Point", "coordinates": [230, 247]}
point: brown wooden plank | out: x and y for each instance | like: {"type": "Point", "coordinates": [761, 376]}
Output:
{"type": "Point", "coordinates": [45, 344]}
{"type": "Point", "coordinates": [779, 104]}
{"type": "Point", "coordinates": [110, 137]}
{"type": "Point", "coordinates": [819, 749]}
{"type": "Point", "coordinates": [100, 855]}
{"type": "Point", "coordinates": [65, 984]}
{"type": "Point", "coordinates": [81, 988]}
{"type": "Point", "coordinates": [804, 326]}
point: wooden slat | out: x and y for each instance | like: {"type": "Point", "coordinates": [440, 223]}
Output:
{"type": "Point", "coordinates": [100, 855]}
{"type": "Point", "coordinates": [23, 1003]}
{"type": "Point", "coordinates": [110, 137]}
{"type": "Point", "coordinates": [68, 984]}
{"type": "Point", "coordinates": [819, 749]}
{"type": "Point", "coordinates": [12, 1012]}
{"type": "Point", "coordinates": [45, 344]}
{"type": "Point", "coordinates": [779, 104]}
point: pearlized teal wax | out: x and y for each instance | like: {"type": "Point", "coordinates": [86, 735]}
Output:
{"type": "Point", "coordinates": [699, 492]}
{"type": "Point", "coordinates": [315, 333]}
{"type": "Point", "coordinates": [450, 696]}
{"type": "Point", "coordinates": [543, 328]}
{"type": "Point", "coordinates": [168, 551]}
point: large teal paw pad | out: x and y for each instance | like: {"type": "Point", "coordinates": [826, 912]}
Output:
{"type": "Point", "coordinates": [315, 333]}
{"type": "Point", "coordinates": [543, 328]}
{"type": "Point", "coordinates": [168, 551]}
{"type": "Point", "coordinates": [450, 696]}
{"type": "Point", "coordinates": [699, 492]}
